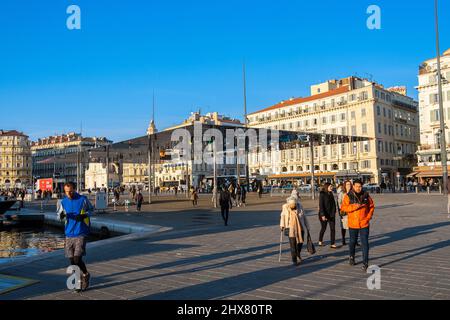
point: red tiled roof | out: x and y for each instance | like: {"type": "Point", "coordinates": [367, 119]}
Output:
{"type": "Point", "coordinates": [287, 103]}
{"type": "Point", "coordinates": [12, 133]}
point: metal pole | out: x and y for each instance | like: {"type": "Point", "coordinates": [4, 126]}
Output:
{"type": "Point", "coordinates": [311, 148]}
{"type": "Point", "coordinates": [107, 174]}
{"type": "Point", "coordinates": [247, 162]}
{"type": "Point", "coordinates": [441, 104]}
{"type": "Point", "coordinates": [149, 153]}
{"type": "Point", "coordinates": [215, 174]}
{"type": "Point", "coordinates": [78, 169]}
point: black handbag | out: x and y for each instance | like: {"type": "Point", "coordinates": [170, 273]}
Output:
{"type": "Point", "coordinates": [310, 245]}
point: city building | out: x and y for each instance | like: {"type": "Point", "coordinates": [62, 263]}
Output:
{"type": "Point", "coordinates": [350, 107]}
{"type": "Point", "coordinates": [56, 157]}
{"type": "Point", "coordinates": [429, 153]}
{"type": "Point", "coordinates": [168, 173]}
{"type": "Point", "coordinates": [15, 160]}
{"type": "Point", "coordinates": [97, 177]}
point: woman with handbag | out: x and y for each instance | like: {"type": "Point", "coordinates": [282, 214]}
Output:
{"type": "Point", "coordinates": [341, 191]}
{"type": "Point", "coordinates": [290, 224]}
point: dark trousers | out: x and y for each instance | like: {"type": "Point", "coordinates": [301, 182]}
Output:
{"type": "Point", "coordinates": [296, 248]}
{"type": "Point", "coordinates": [332, 223]}
{"type": "Point", "coordinates": [364, 234]}
{"type": "Point", "coordinates": [225, 211]}
{"type": "Point", "coordinates": [138, 206]}
{"type": "Point", "coordinates": [78, 261]}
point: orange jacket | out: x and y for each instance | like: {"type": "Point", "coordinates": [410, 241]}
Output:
{"type": "Point", "coordinates": [359, 212]}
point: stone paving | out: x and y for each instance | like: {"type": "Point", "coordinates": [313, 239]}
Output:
{"type": "Point", "coordinates": [202, 259]}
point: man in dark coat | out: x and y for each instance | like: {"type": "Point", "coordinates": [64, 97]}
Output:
{"type": "Point", "coordinates": [225, 204]}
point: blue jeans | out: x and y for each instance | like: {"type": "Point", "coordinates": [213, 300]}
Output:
{"type": "Point", "coordinates": [364, 234]}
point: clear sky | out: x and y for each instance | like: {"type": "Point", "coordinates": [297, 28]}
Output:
{"type": "Point", "coordinates": [190, 53]}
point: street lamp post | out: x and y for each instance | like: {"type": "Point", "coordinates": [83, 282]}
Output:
{"type": "Point", "coordinates": [441, 105]}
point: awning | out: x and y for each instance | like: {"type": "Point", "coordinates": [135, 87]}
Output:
{"type": "Point", "coordinates": [301, 175]}
{"type": "Point", "coordinates": [412, 174]}
{"type": "Point", "coordinates": [429, 174]}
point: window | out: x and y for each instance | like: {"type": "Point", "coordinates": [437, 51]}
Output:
{"type": "Point", "coordinates": [314, 122]}
{"type": "Point", "coordinates": [384, 112]}
{"type": "Point", "coordinates": [344, 131]}
{"type": "Point", "coordinates": [342, 116]}
{"type": "Point", "coordinates": [353, 115]}
{"type": "Point", "coordinates": [378, 111]}
{"type": "Point", "coordinates": [306, 123]}
{"type": "Point", "coordinates": [434, 98]}
{"type": "Point", "coordinates": [366, 146]}
{"type": "Point", "coordinates": [364, 128]}
{"type": "Point", "coordinates": [324, 120]}
{"type": "Point", "coordinates": [365, 164]}
{"type": "Point", "coordinates": [333, 118]}
{"type": "Point", "coordinates": [343, 149]}
{"type": "Point", "coordinates": [434, 115]}
{"type": "Point", "coordinates": [353, 130]}
{"type": "Point", "coordinates": [379, 127]}
{"type": "Point", "coordinates": [385, 129]}
{"type": "Point", "coordinates": [389, 114]}
{"type": "Point", "coordinates": [380, 146]}
{"type": "Point", "coordinates": [363, 112]}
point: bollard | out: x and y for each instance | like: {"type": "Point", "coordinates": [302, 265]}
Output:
{"type": "Point", "coordinates": [440, 189]}
{"type": "Point", "coordinates": [417, 189]}
{"type": "Point", "coordinates": [42, 206]}
{"type": "Point", "coordinates": [428, 189]}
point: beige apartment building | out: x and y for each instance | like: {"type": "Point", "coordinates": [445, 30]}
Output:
{"type": "Point", "coordinates": [351, 107]}
{"type": "Point", "coordinates": [56, 157]}
{"type": "Point", "coordinates": [429, 153]}
{"type": "Point", "coordinates": [15, 160]}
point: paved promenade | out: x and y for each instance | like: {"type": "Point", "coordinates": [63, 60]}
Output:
{"type": "Point", "coordinates": [202, 259]}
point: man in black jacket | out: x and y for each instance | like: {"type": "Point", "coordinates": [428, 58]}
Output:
{"type": "Point", "coordinates": [225, 203]}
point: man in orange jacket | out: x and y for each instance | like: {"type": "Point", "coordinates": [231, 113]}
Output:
{"type": "Point", "coordinates": [360, 207]}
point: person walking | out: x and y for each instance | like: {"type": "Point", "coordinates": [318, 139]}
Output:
{"type": "Point", "coordinates": [139, 200]}
{"type": "Point", "coordinates": [239, 195]}
{"type": "Point", "coordinates": [194, 196]}
{"type": "Point", "coordinates": [327, 213]}
{"type": "Point", "coordinates": [243, 195]}
{"type": "Point", "coordinates": [76, 210]}
{"type": "Point", "coordinates": [225, 204]}
{"type": "Point", "coordinates": [290, 223]}
{"type": "Point", "coordinates": [359, 207]}
{"type": "Point", "coordinates": [341, 191]}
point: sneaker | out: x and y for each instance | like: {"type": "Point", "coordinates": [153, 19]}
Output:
{"type": "Point", "coordinates": [333, 246]}
{"type": "Point", "coordinates": [85, 281]}
{"type": "Point", "coordinates": [351, 261]}
{"type": "Point", "coordinates": [320, 244]}
{"type": "Point", "coordinates": [365, 267]}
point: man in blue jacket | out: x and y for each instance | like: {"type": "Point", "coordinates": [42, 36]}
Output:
{"type": "Point", "coordinates": [76, 210]}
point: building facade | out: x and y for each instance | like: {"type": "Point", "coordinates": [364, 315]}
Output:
{"type": "Point", "coordinates": [56, 157]}
{"type": "Point", "coordinates": [15, 160]}
{"type": "Point", "coordinates": [97, 177]}
{"type": "Point", "coordinates": [169, 173]}
{"type": "Point", "coordinates": [350, 107]}
{"type": "Point", "coordinates": [429, 153]}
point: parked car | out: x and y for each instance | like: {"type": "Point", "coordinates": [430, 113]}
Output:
{"type": "Point", "coordinates": [305, 188]}
{"type": "Point", "coordinates": [372, 187]}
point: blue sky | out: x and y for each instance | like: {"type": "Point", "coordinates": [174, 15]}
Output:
{"type": "Point", "coordinates": [191, 53]}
